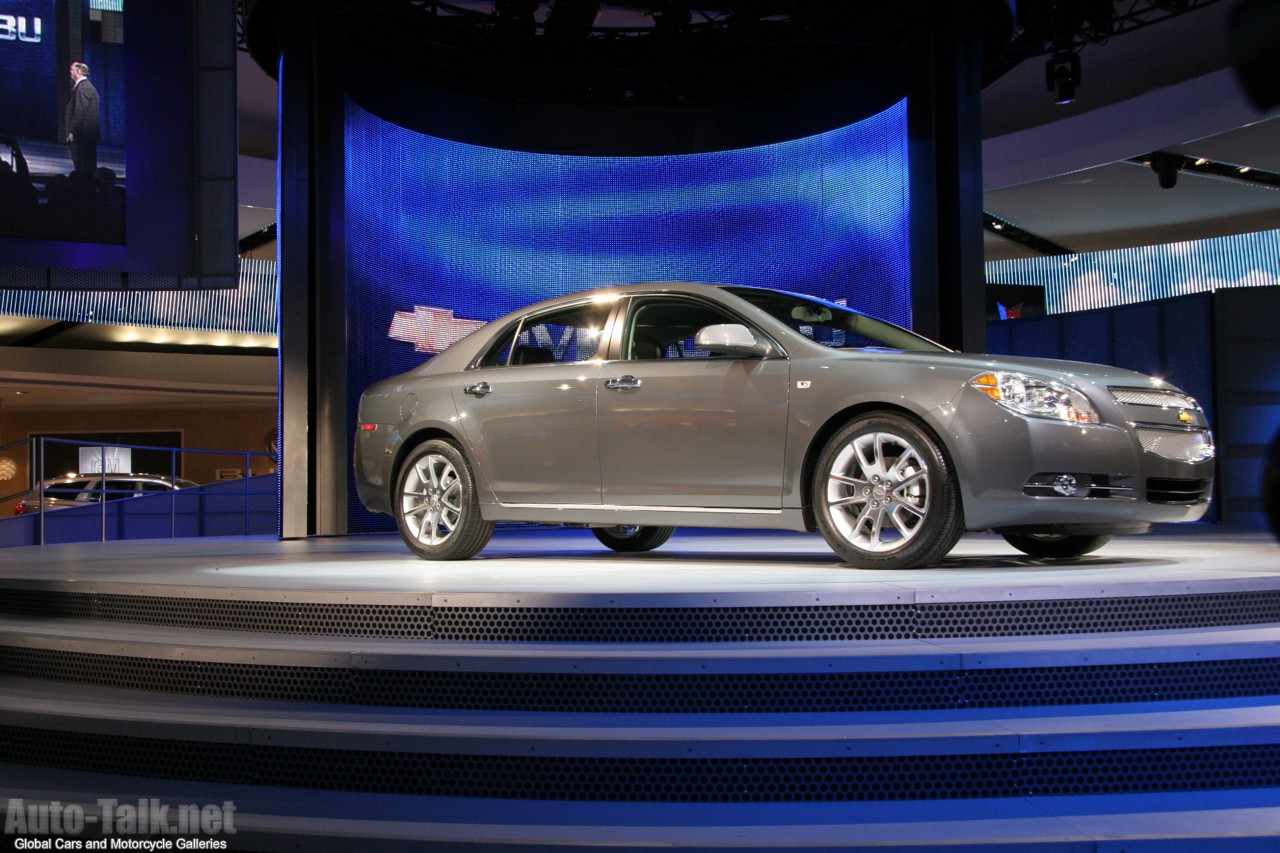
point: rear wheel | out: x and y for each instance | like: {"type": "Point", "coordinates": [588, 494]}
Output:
{"type": "Point", "coordinates": [1055, 546]}
{"type": "Point", "coordinates": [885, 496]}
{"type": "Point", "coordinates": [627, 537]}
{"type": "Point", "coordinates": [436, 507]}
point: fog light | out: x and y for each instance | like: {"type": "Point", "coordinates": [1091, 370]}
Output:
{"type": "Point", "coordinates": [1065, 485]}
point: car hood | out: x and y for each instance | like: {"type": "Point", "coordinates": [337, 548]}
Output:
{"type": "Point", "coordinates": [1099, 374]}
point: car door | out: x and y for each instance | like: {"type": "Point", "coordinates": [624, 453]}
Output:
{"type": "Point", "coordinates": [681, 427]}
{"type": "Point", "coordinates": [529, 410]}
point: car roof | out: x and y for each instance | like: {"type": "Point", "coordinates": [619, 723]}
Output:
{"type": "Point", "coordinates": [66, 478]}
{"type": "Point", "coordinates": [457, 356]}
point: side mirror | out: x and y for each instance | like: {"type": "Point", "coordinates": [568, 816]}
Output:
{"type": "Point", "coordinates": [730, 339]}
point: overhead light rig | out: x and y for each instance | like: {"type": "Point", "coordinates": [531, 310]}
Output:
{"type": "Point", "coordinates": [1007, 230]}
{"type": "Point", "coordinates": [660, 51]}
{"type": "Point", "coordinates": [1061, 29]}
{"type": "Point", "coordinates": [1168, 165]}
{"type": "Point", "coordinates": [633, 51]}
{"type": "Point", "coordinates": [262, 237]}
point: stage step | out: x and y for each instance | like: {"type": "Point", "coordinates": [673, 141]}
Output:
{"type": "Point", "coordinates": [702, 678]}
{"type": "Point", "coordinates": [1028, 708]}
{"type": "Point", "coordinates": [658, 758]}
{"type": "Point", "coordinates": [276, 819]}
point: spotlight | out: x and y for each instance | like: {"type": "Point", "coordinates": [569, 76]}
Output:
{"type": "Point", "coordinates": [516, 17]}
{"type": "Point", "coordinates": [1166, 166]}
{"type": "Point", "coordinates": [671, 17]}
{"type": "Point", "coordinates": [1062, 75]}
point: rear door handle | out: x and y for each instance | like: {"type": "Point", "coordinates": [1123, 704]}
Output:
{"type": "Point", "coordinates": [622, 383]}
{"type": "Point", "coordinates": [478, 390]}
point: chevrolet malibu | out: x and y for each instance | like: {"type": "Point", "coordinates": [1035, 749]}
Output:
{"type": "Point", "coordinates": [634, 410]}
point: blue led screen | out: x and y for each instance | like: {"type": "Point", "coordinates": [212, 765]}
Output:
{"type": "Point", "coordinates": [1125, 276]}
{"type": "Point", "coordinates": [29, 69]}
{"type": "Point", "coordinates": [441, 236]}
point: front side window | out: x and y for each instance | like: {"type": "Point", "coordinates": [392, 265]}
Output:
{"type": "Point", "coordinates": [117, 489]}
{"type": "Point", "coordinates": [666, 327]}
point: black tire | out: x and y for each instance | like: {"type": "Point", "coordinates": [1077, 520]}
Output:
{"type": "Point", "coordinates": [436, 507]}
{"type": "Point", "coordinates": [1055, 546]}
{"type": "Point", "coordinates": [884, 494]}
{"type": "Point", "coordinates": [629, 538]}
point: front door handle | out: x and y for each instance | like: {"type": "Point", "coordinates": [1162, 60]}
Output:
{"type": "Point", "coordinates": [478, 390]}
{"type": "Point", "coordinates": [622, 383]}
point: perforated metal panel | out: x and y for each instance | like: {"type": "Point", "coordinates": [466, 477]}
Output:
{"type": "Point", "coordinates": [277, 617]}
{"type": "Point", "coordinates": [204, 678]}
{"type": "Point", "coordinates": [673, 624]}
{"type": "Point", "coordinates": [1097, 615]}
{"type": "Point", "coordinates": [1149, 770]}
{"type": "Point", "coordinates": [628, 779]}
{"type": "Point", "coordinates": [659, 693]}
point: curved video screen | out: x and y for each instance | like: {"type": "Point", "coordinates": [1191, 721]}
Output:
{"type": "Point", "coordinates": [442, 236]}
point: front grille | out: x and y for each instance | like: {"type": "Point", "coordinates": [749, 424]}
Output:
{"type": "Point", "coordinates": [1167, 490]}
{"type": "Point", "coordinates": [1181, 445]}
{"type": "Point", "coordinates": [1153, 397]}
{"type": "Point", "coordinates": [1182, 439]}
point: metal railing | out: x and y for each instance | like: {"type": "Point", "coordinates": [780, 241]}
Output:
{"type": "Point", "coordinates": [192, 510]}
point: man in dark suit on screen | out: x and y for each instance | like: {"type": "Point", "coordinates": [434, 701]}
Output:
{"type": "Point", "coordinates": [82, 120]}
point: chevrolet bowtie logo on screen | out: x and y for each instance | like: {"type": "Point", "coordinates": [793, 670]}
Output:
{"type": "Point", "coordinates": [430, 329]}
{"type": "Point", "coordinates": [20, 28]}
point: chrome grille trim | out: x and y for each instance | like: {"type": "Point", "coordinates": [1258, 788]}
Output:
{"type": "Point", "coordinates": [1167, 490]}
{"type": "Point", "coordinates": [1089, 487]}
{"type": "Point", "coordinates": [1153, 397]}
{"type": "Point", "coordinates": [1183, 445]}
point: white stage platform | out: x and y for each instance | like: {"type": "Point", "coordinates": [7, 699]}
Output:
{"type": "Point", "coordinates": [556, 561]}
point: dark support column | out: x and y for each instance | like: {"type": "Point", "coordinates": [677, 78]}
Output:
{"type": "Point", "coordinates": [314, 434]}
{"type": "Point", "coordinates": [945, 129]}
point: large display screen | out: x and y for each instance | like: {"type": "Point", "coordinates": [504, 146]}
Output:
{"type": "Point", "coordinates": [442, 236]}
{"type": "Point", "coordinates": [100, 194]}
{"type": "Point", "coordinates": [62, 130]}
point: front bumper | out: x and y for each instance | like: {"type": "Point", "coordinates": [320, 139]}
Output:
{"type": "Point", "coordinates": [1026, 472]}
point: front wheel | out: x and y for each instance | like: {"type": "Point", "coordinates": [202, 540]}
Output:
{"type": "Point", "coordinates": [436, 507]}
{"type": "Point", "coordinates": [1055, 546]}
{"type": "Point", "coordinates": [630, 538]}
{"type": "Point", "coordinates": [885, 496]}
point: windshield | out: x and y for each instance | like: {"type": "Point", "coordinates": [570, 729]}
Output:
{"type": "Point", "coordinates": [834, 325]}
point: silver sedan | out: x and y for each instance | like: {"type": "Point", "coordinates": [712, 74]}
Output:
{"type": "Point", "coordinates": [634, 410]}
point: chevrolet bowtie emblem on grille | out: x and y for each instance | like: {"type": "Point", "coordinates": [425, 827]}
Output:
{"type": "Point", "coordinates": [1186, 417]}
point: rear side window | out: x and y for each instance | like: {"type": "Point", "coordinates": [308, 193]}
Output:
{"type": "Point", "coordinates": [70, 489]}
{"type": "Point", "coordinates": [562, 336]}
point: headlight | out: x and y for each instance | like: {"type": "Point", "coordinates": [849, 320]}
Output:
{"type": "Point", "coordinates": [1038, 398]}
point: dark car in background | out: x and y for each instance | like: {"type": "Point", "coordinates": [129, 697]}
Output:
{"type": "Point", "coordinates": [634, 410]}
